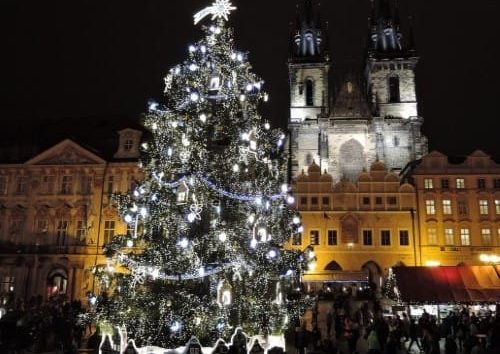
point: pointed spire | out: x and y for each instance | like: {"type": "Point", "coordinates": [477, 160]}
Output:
{"type": "Point", "coordinates": [385, 10]}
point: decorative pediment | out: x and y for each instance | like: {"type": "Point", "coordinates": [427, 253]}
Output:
{"type": "Point", "coordinates": [66, 152]}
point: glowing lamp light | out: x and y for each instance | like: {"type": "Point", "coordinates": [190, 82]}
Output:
{"type": "Point", "coordinates": [239, 57]}
{"type": "Point", "coordinates": [197, 321]}
{"type": "Point", "coordinates": [175, 124]}
{"type": "Point", "coordinates": [169, 151]}
{"type": "Point", "coordinates": [194, 97]}
{"type": "Point", "coordinates": [184, 243]}
{"type": "Point", "coordinates": [144, 212]}
{"type": "Point", "coordinates": [201, 272]}
{"type": "Point", "coordinates": [267, 126]}
{"type": "Point", "coordinates": [289, 273]}
{"type": "Point", "coordinates": [245, 136]}
{"type": "Point", "coordinates": [93, 300]}
{"type": "Point", "coordinates": [284, 188]}
{"type": "Point", "coordinates": [193, 67]}
{"type": "Point", "coordinates": [249, 87]}
{"type": "Point", "coordinates": [128, 219]}
{"type": "Point", "coordinates": [175, 327]}
{"type": "Point", "coordinates": [251, 218]}
{"type": "Point", "coordinates": [258, 201]}
{"type": "Point", "coordinates": [130, 243]}
{"type": "Point", "coordinates": [300, 229]}
{"type": "Point", "coordinates": [253, 145]}
{"type": "Point", "coordinates": [192, 48]}
{"type": "Point", "coordinates": [236, 168]}
{"type": "Point", "coordinates": [272, 254]}
{"type": "Point", "coordinates": [242, 98]}
{"type": "Point", "coordinates": [290, 199]}
{"type": "Point", "coordinates": [266, 97]}
{"type": "Point", "coordinates": [222, 237]}
{"type": "Point", "coordinates": [153, 106]}
{"type": "Point", "coordinates": [312, 255]}
{"type": "Point", "coordinates": [233, 56]}
{"type": "Point", "coordinates": [253, 243]}
{"type": "Point", "coordinates": [312, 266]}
{"type": "Point", "coordinates": [203, 49]}
{"type": "Point", "coordinates": [489, 258]}
{"type": "Point", "coordinates": [203, 117]}
{"type": "Point", "coordinates": [191, 217]}
{"type": "Point", "coordinates": [296, 220]}
{"type": "Point", "coordinates": [432, 264]}
{"type": "Point", "coordinates": [155, 273]}
{"type": "Point", "coordinates": [154, 126]}
{"type": "Point", "coordinates": [145, 146]}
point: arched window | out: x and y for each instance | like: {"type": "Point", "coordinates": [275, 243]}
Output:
{"type": "Point", "coordinates": [309, 92]}
{"type": "Point", "coordinates": [57, 282]}
{"type": "Point", "coordinates": [394, 89]}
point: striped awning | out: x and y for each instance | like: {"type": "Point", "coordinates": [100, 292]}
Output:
{"type": "Point", "coordinates": [469, 284]}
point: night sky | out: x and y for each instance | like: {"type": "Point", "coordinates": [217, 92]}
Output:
{"type": "Point", "coordinates": [75, 58]}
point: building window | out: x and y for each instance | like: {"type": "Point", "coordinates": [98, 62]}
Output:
{"type": "Point", "coordinates": [3, 185]}
{"type": "Point", "coordinates": [332, 238]}
{"type": "Point", "coordinates": [16, 227]}
{"type": "Point", "coordinates": [432, 236]}
{"type": "Point", "coordinates": [404, 238]}
{"type": "Point", "coordinates": [128, 144]}
{"type": "Point", "coordinates": [392, 200]}
{"type": "Point", "coordinates": [8, 284]}
{"type": "Point", "coordinates": [430, 207]}
{"type": "Point", "coordinates": [81, 230]}
{"type": "Point", "coordinates": [314, 201]}
{"type": "Point", "coordinates": [394, 89]}
{"type": "Point", "coordinates": [131, 230]}
{"type": "Point", "coordinates": [497, 207]}
{"type": "Point", "coordinates": [86, 185]}
{"type": "Point", "coordinates": [481, 183]}
{"type": "Point", "coordinates": [465, 237]}
{"type": "Point", "coordinates": [449, 237]}
{"type": "Point", "coordinates": [303, 200]}
{"type": "Point", "coordinates": [447, 207]}
{"type": "Point", "coordinates": [309, 92]}
{"type": "Point", "coordinates": [22, 185]}
{"type": "Point", "coordinates": [111, 184]}
{"type": "Point", "coordinates": [109, 230]}
{"type": "Point", "coordinates": [367, 238]}
{"type": "Point", "coordinates": [483, 207]}
{"type": "Point", "coordinates": [496, 183]}
{"type": "Point", "coordinates": [378, 200]}
{"type": "Point", "coordinates": [314, 237]}
{"type": "Point", "coordinates": [445, 183]}
{"type": "Point", "coordinates": [486, 237]}
{"type": "Point", "coordinates": [326, 201]}
{"type": "Point", "coordinates": [66, 185]}
{"type": "Point", "coordinates": [297, 239]}
{"type": "Point", "coordinates": [58, 284]}
{"type": "Point", "coordinates": [395, 141]}
{"type": "Point", "coordinates": [462, 208]}
{"type": "Point", "coordinates": [385, 237]}
{"type": "Point", "coordinates": [42, 226]}
{"type": "Point", "coordinates": [428, 183]}
{"type": "Point", "coordinates": [61, 232]}
{"type": "Point", "coordinates": [366, 200]}
{"type": "Point", "coordinates": [460, 183]}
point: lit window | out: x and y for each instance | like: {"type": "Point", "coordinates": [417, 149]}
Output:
{"type": "Point", "coordinates": [309, 92]}
{"type": "Point", "coordinates": [481, 183]}
{"type": "Point", "coordinates": [449, 237]}
{"type": "Point", "coordinates": [385, 237]}
{"type": "Point", "coordinates": [42, 226]}
{"type": "Point", "coordinates": [496, 183]}
{"type": "Point", "coordinates": [497, 207]}
{"type": "Point", "coordinates": [432, 236]}
{"type": "Point", "coordinates": [430, 207]}
{"type": "Point", "coordinates": [445, 183]}
{"type": "Point", "coordinates": [66, 184]}
{"type": "Point", "coordinates": [447, 207]}
{"type": "Point", "coordinates": [378, 200]}
{"type": "Point", "coordinates": [332, 238]}
{"type": "Point", "coordinates": [326, 201]}
{"type": "Point", "coordinates": [367, 237]}
{"type": "Point", "coordinates": [314, 237]}
{"type": "Point", "coordinates": [404, 238]}
{"type": "Point", "coordinates": [366, 200]}
{"type": "Point", "coordinates": [465, 237]}
{"type": "Point", "coordinates": [303, 200]}
{"type": "Point", "coordinates": [8, 284]}
{"type": "Point", "coordinates": [86, 185]}
{"type": "Point", "coordinates": [111, 184]}
{"type": "Point", "coordinates": [314, 201]}
{"type": "Point", "coordinates": [486, 237]}
{"type": "Point", "coordinates": [109, 230]}
{"type": "Point", "coordinates": [394, 89]}
{"type": "Point", "coordinates": [460, 183]}
{"type": "Point", "coordinates": [483, 207]}
{"type": "Point", "coordinates": [428, 183]}
{"type": "Point", "coordinates": [297, 239]}
{"type": "Point", "coordinates": [61, 232]}
{"type": "Point", "coordinates": [392, 200]}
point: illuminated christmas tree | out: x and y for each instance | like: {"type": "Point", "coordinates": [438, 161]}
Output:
{"type": "Point", "coordinates": [212, 214]}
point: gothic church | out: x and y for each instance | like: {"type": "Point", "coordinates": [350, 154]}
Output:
{"type": "Point", "coordinates": [366, 120]}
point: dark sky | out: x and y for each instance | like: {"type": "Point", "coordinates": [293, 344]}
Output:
{"type": "Point", "coordinates": [77, 58]}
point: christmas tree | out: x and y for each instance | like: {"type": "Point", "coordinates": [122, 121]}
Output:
{"type": "Point", "coordinates": [212, 214]}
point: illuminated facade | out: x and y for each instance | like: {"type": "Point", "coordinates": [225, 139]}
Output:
{"type": "Point", "coordinates": [364, 226]}
{"type": "Point", "coordinates": [55, 216]}
{"type": "Point", "coordinates": [459, 208]}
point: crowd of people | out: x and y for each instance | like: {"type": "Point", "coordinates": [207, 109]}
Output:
{"type": "Point", "coordinates": [36, 326]}
{"type": "Point", "coordinates": [362, 328]}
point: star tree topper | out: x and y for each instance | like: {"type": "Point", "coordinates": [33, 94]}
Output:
{"type": "Point", "coordinates": [219, 9]}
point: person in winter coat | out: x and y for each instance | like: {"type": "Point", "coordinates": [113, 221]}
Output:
{"type": "Point", "coordinates": [373, 343]}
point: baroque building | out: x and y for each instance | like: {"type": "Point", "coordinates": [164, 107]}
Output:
{"type": "Point", "coordinates": [369, 119]}
{"type": "Point", "coordinates": [56, 215]}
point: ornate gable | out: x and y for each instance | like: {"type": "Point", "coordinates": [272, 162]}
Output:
{"type": "Point", "coordinates": [66, 152]}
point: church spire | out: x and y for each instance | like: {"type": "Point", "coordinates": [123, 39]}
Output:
{"type": "Point", "coordinates": [385, 30]}
{"type": "Point", "coordinates": [309, 39]}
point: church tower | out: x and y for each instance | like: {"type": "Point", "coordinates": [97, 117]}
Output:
{"type": "Point", "coordinates": [309, 66]}
{"type": "Point", "coordinates": [390, 78]}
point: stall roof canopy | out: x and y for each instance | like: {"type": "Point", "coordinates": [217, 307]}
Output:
{"type": "Point", "coordinates": [448, 284]}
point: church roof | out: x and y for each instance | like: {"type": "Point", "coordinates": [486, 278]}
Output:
{"type": "Point", "coordinates": [351, 101]}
